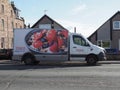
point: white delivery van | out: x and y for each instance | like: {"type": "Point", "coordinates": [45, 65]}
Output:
{"type": "Point", "coordinates": [41, 45]}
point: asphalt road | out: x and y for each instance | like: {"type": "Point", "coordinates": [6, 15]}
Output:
{"type": "Point", "coordinates": [104, 76]}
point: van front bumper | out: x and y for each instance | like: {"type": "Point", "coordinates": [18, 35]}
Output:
{"type": "Point", "coordinates": [102, 57]}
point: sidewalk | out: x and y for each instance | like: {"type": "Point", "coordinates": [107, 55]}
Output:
{"type": "Point", "coordinates": [72, 62]}
{"type": "Point", "coordinates": [110, 62]}
{"type": "Point", "coordinates": [5, 61]}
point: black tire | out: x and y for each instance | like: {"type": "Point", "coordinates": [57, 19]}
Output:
{"type": "Point", "coordinates": [28, 60]}
{"type": "Point", "coordinates": [36, 62]}
{"type": "Point", "coordinates": [91, 60]}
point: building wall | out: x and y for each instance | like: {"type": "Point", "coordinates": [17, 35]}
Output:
{"type": "Point", "coordinates": [10, 22]}
{"type": "Point", "coordinates": [102, 36]}
{"type": "Point", "coordinates": [103, 33]}
{"type": "Point", "coordinates": [115, 33]}
{"type": "Point", "coordinates": [93, 38]}
{"type": "Point", "coordinates": [107, 33]}
{"type": "Point", "coordinates": [115, 39]}
{"type": "Point", "coordinates": [56, 26]}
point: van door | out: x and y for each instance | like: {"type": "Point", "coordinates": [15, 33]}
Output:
{"type": "Point", "coordinates": [79, 48]}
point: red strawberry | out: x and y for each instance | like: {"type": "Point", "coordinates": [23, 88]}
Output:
{"type": "Point", "coordinates": [60, 42]}
{"type": "Point", "coordinates": [51, 35]}
{"type": "Point", "coordinates": [53, 48]}
{"type": "Point", "coordinates": [37, 44]}
{"type": "Point", "coordinates": [65, 33]}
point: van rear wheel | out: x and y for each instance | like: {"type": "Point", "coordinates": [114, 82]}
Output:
{"type": "Point", "coordinates": [28, 60]}
{"type": "Point", "coordinates": [91, 60]}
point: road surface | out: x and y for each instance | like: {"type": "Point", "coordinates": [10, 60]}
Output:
{"type": "Point", "coordinates": [105, 76]}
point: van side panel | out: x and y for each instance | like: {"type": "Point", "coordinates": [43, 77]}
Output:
{"type": "Point", "coordinates": [51, 57]}
{"type": "Point", "coordinates": [42, 43]}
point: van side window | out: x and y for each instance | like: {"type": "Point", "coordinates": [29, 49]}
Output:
{"type": "Point", "coordinates": [79, 40]}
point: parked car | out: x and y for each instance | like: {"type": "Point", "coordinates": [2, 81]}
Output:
{"type": "Point", "coordinates": [5, 54]}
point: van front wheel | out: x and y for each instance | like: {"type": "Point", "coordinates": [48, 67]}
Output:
{"type": "Point", "coordinates": [91, 60]}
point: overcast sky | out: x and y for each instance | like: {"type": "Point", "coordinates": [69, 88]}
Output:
{"type": "Point", "coordinates": [85, 15]}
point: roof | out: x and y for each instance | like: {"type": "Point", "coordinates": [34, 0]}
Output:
{"type": "Point", "coordinates": [46, 16]}
{"type": "Point", "coordinates": [14, 7]}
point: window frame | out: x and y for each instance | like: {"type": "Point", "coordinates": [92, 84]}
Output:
{"type": "Point", "coordinates": [2, 42]}
{"type": "Point", "coordinates": [101, 43]}
{"type": "Point", "coordinates": [82, 41]}
{"type": "Point", "coordinates": [3, 24]}
{"type": "Point", "coordinates": [2, 9]}
{"type": "Point", "coordinates": [45, 26]}
{"type": "Point", "coordinates": [114, 26]}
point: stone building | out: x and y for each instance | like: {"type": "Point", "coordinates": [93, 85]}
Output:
{"type": "Point", "coordinates": [9, 19]}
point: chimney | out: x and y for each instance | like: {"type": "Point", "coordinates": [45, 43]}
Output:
{"type": "Point", "coordinates": [74, 29]}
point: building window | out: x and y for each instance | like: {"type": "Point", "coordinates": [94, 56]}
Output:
{"type": "Point", "coordinates": [12, 25]}
{"type": "Point", "coordinates": [116, 25]}
{"type": "Point", "coordinates": [45, 26]}
{"type": "Point", "coordinates": [11, 42]}
{"type": "Point", "coordinates": [2, 8]}
{"type": "Point", "coordinates": [3, 25]}
{"type": "Point", "coordinates": [104, 44]}
{"type": "Point", "coordinates": [2, 42]}
{"type": "Point", "coordinates": [16, 25]}
{"type": "Point", "coordinates": [11, 13]}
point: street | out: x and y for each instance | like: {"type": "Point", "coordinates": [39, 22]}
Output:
{"type": "Point", "coordinates": [104, 76]}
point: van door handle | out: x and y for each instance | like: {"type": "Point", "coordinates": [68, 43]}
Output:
{"type": "Point", "coordinates": [74, 47]}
